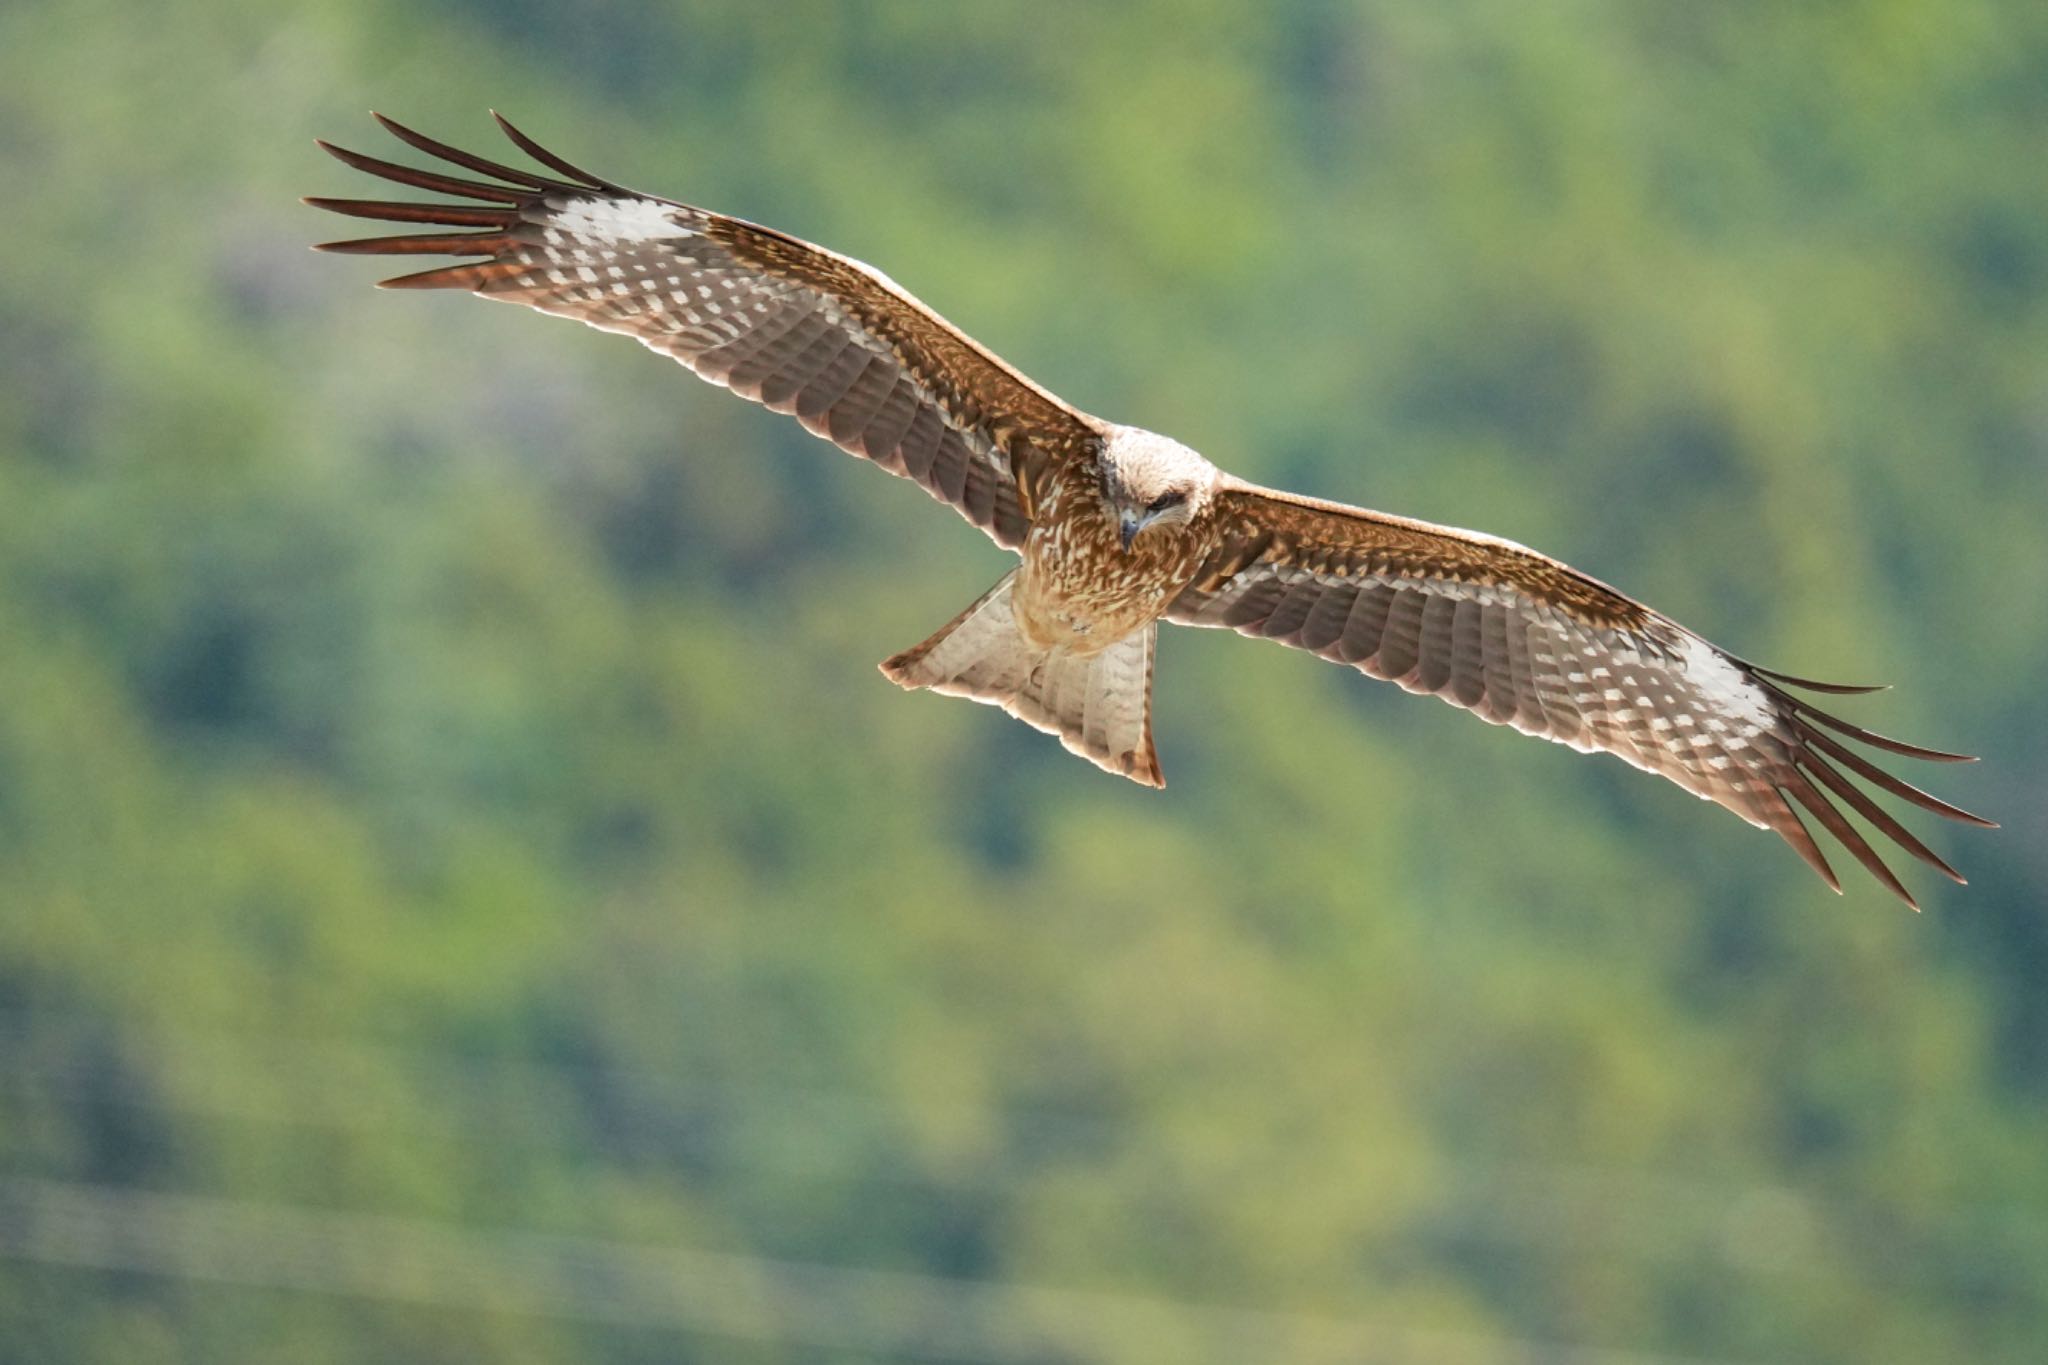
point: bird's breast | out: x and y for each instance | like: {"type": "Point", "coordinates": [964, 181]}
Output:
{"type": "Point", "coordinates": [1080, 589]}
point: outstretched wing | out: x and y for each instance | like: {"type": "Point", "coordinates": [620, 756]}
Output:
{"type": "Point", "coordinates": [776, 320]}
{"type": "Point", "coordinates": [1519, 639]}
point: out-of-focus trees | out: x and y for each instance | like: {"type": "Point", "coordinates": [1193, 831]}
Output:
{"type": "Point", "coordinates": [445, 798]}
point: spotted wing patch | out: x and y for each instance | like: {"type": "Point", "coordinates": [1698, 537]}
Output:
{"type": "Point", "coordinates": [1521, 640]}
{"type": "Point", "coordinates": [778, 321]}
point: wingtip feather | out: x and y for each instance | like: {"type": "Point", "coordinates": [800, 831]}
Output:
{"type": "Point", "coordinates": [1889, 782]}
{"type": "Point", "coordinates": [1836, 824]}
{"type": "Point", "coordinates": [434, 147]}
{"type": "Point", "coordinates": [1860, 801]}
{"type": "Point", "coordinates": [403, 211]}
{"type": "Point", "coordinates": [1783, 820]}
{"type": "Point", "coordinates": [553, 162]}
{"type": "Point", "coordinates": [1872, 738]}
{"type": "Point", "coordinates": [1812, 685]}
{"type": "Point", "coordinates": [420, 179]}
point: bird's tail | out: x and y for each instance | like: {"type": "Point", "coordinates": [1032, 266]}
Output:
{"type": "Point", "coordinates": [1100, 704]}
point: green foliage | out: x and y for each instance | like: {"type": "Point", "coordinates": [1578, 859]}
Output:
{"type": "Point", "coordinates": [468, 896]}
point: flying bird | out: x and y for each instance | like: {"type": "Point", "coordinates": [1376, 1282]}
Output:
{"type": "Point", "coordinates": [1118, 528]}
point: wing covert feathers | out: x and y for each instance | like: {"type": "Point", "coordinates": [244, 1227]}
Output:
{"type": "Point", "coordinates": [1520, 639]}
{"type": "Point", "coordinates": [779, 321]}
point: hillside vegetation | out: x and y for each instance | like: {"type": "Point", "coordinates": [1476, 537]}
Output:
{"type": "Point", "coordinates": [466, 894]}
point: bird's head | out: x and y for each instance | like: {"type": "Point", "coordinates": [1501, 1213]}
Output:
{"type": "Point", "coordinates": [1151, 481]}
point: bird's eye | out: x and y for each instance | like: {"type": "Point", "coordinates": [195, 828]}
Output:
{"type": "Point", "coordinates": [1164, 501]}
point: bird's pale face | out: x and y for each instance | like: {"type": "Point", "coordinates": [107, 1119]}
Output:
{"type": "Point", "coordinates": [1153, 483]}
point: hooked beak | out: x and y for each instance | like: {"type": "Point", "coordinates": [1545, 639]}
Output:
{"type": "Point", "coordinates": [1127, 527]}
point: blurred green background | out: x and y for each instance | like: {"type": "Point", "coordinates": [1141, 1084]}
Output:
{"type": "Point", "coordinates": [465, 893]}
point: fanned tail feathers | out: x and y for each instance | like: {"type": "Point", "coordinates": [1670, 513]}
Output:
{"type": "Point", "coordinates": [1099, 705]}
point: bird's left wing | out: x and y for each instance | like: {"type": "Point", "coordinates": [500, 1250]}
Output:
{"type": "Point", "coordinates": [1520, 639]}
{"type": "Point", "coordinates": [787, 324]}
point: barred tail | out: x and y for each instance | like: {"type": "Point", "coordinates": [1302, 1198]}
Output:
{"type": "Point", "coordinates": [1100, 704]}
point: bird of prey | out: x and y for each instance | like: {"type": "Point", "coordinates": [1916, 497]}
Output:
{"type": "Point", "coordinates": [1118, 529]}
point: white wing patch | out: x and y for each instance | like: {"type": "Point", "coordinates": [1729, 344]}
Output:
{"type": "Point", "coordinates": [616, 220]}
{"type": "Point", "coordinates": [1734, 694]}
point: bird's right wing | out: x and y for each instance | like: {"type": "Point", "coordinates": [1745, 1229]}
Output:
{"type": "Point", "coordinates": [793, 326]}
{"type": "Point", "coordinates": [1519, 639]}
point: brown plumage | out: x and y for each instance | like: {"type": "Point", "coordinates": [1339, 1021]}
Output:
{"type": "Point", "coordinates": [1118, 528]}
